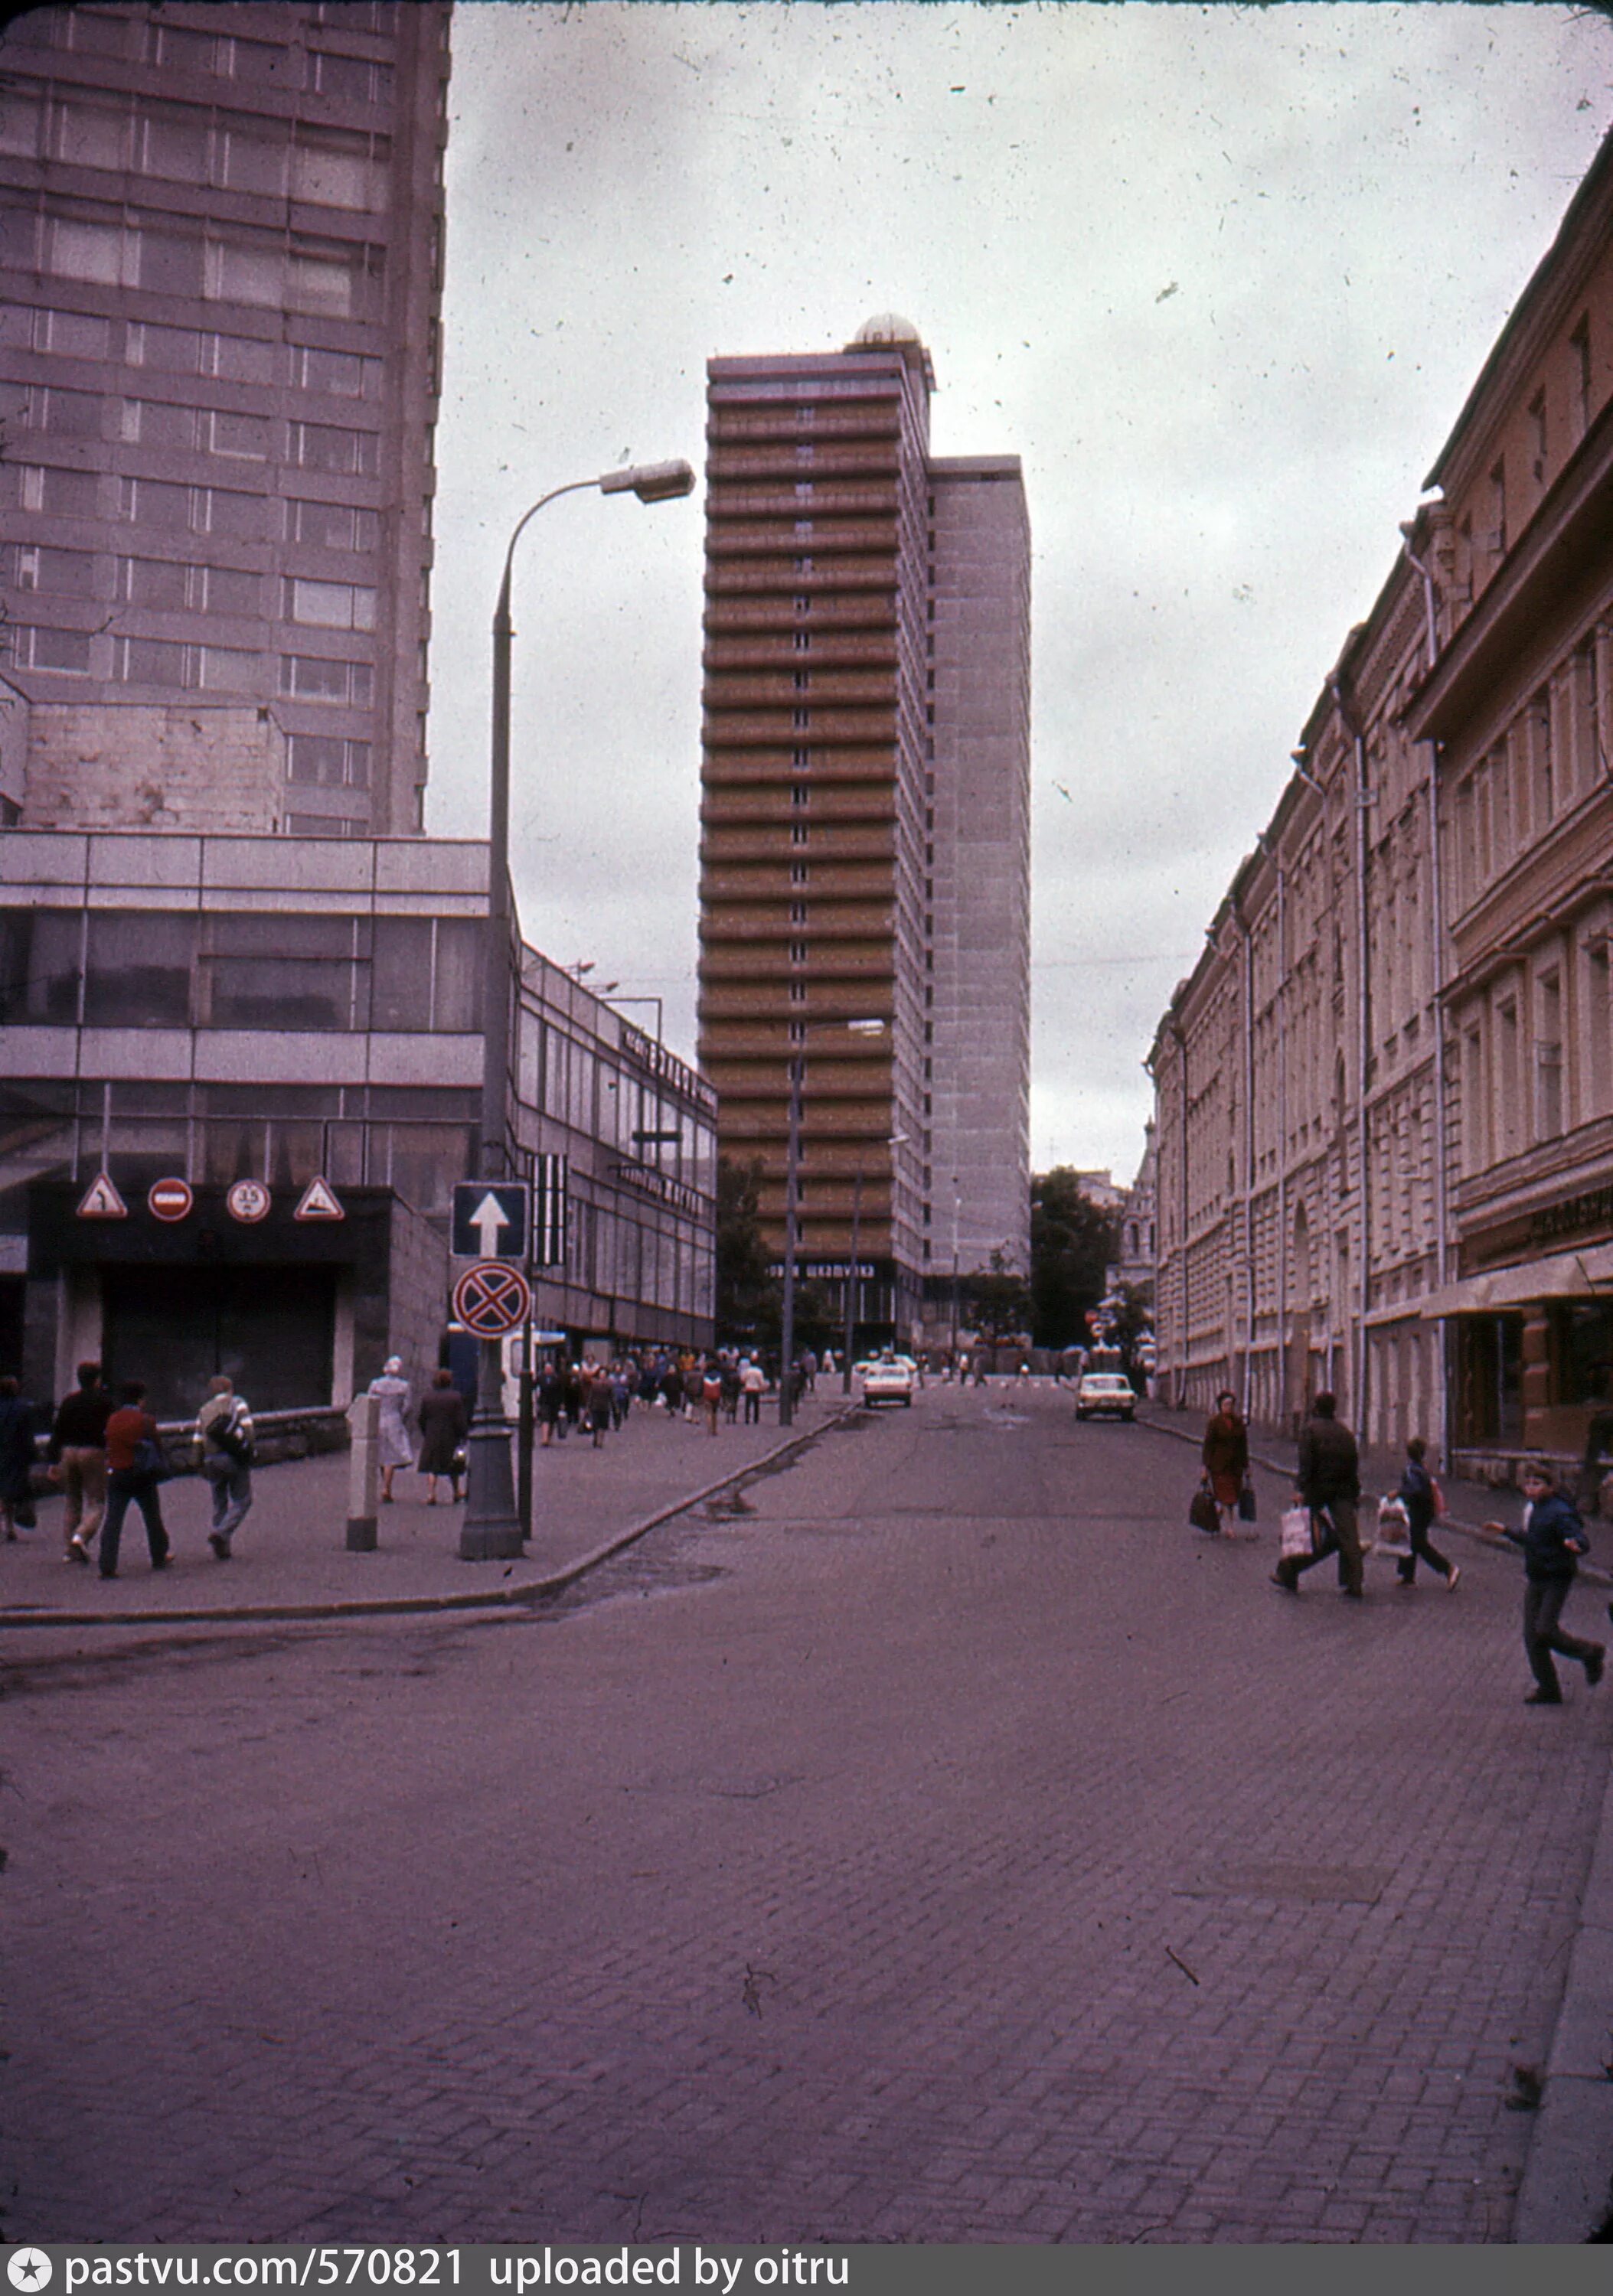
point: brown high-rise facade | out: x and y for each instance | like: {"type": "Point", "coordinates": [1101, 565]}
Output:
{"type": "Point", "coordinates": [865, 849]}
{"type": "Point", "coordinates": [218, 354]}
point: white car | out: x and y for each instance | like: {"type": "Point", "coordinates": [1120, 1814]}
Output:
{"type": "Point", "coordinates": [888, 1379]}
{"type": "Point", "coordinates": [1107, 1394]}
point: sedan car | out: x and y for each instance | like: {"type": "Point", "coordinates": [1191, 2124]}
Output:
{"type": "Point", "coordinates": [888, 1379]}
{"type": "Point", "coordinates": [1105, 1394]}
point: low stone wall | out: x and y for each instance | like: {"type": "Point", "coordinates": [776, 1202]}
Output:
{"type": "Point", "coordinates": [276, 1435]}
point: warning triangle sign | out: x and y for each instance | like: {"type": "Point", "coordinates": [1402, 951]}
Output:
{"type": "Point", "coordinates": [318, 1202]}
{"type": "Point", "coordinates": [102, 1200]}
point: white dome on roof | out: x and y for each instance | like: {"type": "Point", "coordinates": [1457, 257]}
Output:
{"type": "Point", "coordinates": [887, 327]}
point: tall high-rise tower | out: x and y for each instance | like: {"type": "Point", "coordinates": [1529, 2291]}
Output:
{"type": "Point", "coordinates": [218, 375]}
{"type": "Point", "coordinates": [865, 851]}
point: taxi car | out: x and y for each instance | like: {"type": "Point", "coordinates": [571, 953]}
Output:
{"type": "Point", "coordinates": [888, 1379]}
{"type": "Point", "coordinates": [1105, 1394]}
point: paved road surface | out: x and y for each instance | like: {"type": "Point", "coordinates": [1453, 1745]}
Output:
{"type": "Point", "coordinates": [953, 1846]}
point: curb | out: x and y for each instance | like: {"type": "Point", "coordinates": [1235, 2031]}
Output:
{"type": "Point", "coordinates": [504, 1598]}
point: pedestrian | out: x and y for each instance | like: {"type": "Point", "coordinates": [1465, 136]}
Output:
{"type": "Point", "coordinates": [1552, 1538]}
{"type": "Point", "coordinates": [1416, 1494]}
{"type": "Point", "coordinates": [1226, 1461]}
{"type": "Point", "coordinates": [809, 1372]}
{"type": "Point", "coordinates": [444, 1424]}
{"type": "Point", "coordinates": [598, 1403]}
{"type": "Point", "coordinates": [1329, 1482]}
{"type": "Point", "coordinates": [18, 1425]}
{"type": "Point", "coordinates": [224, 1442]}
{"type": "Point", "coordinates": [551, 1402]}
{"type": "Point", "coordinates": [574, 1388]}
{"type": "Point", "coordinates": [394, 1448]}
{"type": "Point", "coordinates": [134, 1470]}
{"type": "Point", "coordinates": [730, 1388]}
{"type": "Point", "coordinates": [694, 1388]}
{"type": "Point", "coordinates": [753, 1384]}
{"type": "Point", "coordinates": [76, 1454]}
{"type": "Point", "coordinates": [710, 1396]}
{"type": "Point", "coordinates": [621, 1396]}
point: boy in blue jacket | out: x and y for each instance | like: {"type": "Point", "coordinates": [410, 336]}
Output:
{"type": "Point", "coordinates": [1552, 1538]}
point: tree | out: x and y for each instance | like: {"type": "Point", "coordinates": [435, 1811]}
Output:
{"type": "Point", "coordinates": [748, 1297]}
{"type": "Point", "coordinates": [996, 1301]}
{"type": "Point", "coordinates": [1072, 1243]}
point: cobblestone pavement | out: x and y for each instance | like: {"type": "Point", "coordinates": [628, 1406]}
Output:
{"type": "Point", "coordinates": [948, 1845]}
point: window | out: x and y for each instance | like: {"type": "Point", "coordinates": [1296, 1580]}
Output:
{"type": "Point", "coordinates": [169, 263]}
{"type": "Point", "coordinates": [149, 662]}
{"type": "Point", "coordinates": [802, 679]}
{"type": "Point", "coordinates": [334, 168]}
{"type": "Point", "coordinates": [284, 971]}
{"type": "Point", "coordinates": [252, 157]}
{"type": "Point", "coordinates": [65, 573]}
{"type": "Point", "coordinates": [332, 526]}
{"type": "Point", "coordinates": [799, 794]}
{"type": "Point", "coordinates": [91, 134]}
{"type": "Point", "coordinates": [798, 992]}
{"type": "Point", "coordinates": [238, 358]}
{"type": "Point", "coordinates": [245, 272]}
{"type": "Point", "coordinates": [39, 953]}
{"type": "Point", "coordinates": [162, 583]}
{"type": "Point", "coordinates": [326, 283]}
{"type": "Point", "coordinates": [1599, 1028]}
{"type": "Point", "coordinates": [799, 832]}
{"type": "Point", "coordinates": [1579, 352]}
{"type": "Point", "coordinates": [92, 251]}
{"type": "Point", "coordinates": [1542, 793]}
{"type": "Point", "coordinates": [310, 677]}
{"type": "Point", "coordinates": [329, 605]}
{"type": "Point", "coordinates": [138, 970]}
{"type": "Point", "coordinates": [1498, 508]}
{"type": "Point", "coordinates": [60, 494]}
{"type": "Point", "coordinates": [1538, 433]}
{"type": "Point", "coordinates": [66, 652]}
{"type": "Point", "coordinates": [800, 872]}
{"type": "Point", "coordinates": [172, 142]}
{"type": "Point", "coordinates": [328, 760]}
{"type": "Point", "coordinates": [246, 436]}
{"type": "Point", "coordinates": [1590, 762]}
{"type": "Point", "coordinates": [798, 912]}
{"type": "Point", "coordinates": [352, 78]}
{"type": "Point", "coordinates": [20, 113]}
{"type": "Point", "coordinates": [229, 590]}
{"type": "Point", "coordinates": [801, 720]}
{"type": "Point", "coordinates": [240, 518]}
{"type": "Point", "coordinates": [69, 335]}
{"type": "Point", "coordinates": [803, 641]}
{"type": "Point", "coordinates": [343, 454]}
{"type": "Point", "coordinates": [801, 757]}
{"type": "Point", "coordinates": [798, 952]}
{"type": "Point", "coordinates": [1548, 1059]}
{"type": "Point", "coordinates": [341, 374]}
{"type": "Point", "coordinates": [228, 669]}
{"type": "Point", "coordinates": [174, 351]}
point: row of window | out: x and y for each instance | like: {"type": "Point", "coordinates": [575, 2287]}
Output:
{"type": "Point", "coordinates": [174, 585]}
{"type": "Point", "coordinates": [190, 350]}
{"type": "Point", "coordinates": [186, 143]}
{"type": "Point", "coordinates": [334, 449]}
{"type": "Point", "coordinates": [1551, 754]}
{"type": "Point", "coordinates": [329, 278]}
{"type": "Point", "coordinates": [172, 506]}
{"type": "Point", "coordinates": [189, 667]}
{"type": "Point", "coordinates": [182, 48]}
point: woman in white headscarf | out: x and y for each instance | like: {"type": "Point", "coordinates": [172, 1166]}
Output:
{"type": "Point", "coordinates": [394, 1448]}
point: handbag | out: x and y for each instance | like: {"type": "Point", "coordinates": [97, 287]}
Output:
{"type": "Point", "coordinates": [1246, 1511]}
{"type": "Point", "coordinates": [1298, 1534]}
{"type": "Point", "coordinates": [1202, 1511]}
{"type": "Point", "coordinates": [150, 1465]}
{"type": "Point", "coordinates": [1439, 1500]}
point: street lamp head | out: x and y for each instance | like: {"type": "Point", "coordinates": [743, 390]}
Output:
{"type": "Point", "coordinates": [866, 1028]}
{"type": "Point", "coordinates": [650, 482]}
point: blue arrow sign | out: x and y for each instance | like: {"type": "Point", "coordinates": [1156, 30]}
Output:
{"type": "Point", "coordinates": [490, 1220]}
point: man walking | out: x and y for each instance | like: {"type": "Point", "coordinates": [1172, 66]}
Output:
{"type": "Point", "coordinates": [78, 1459]}
{"type": "Point", "coordinates": [1329, 1482]}
{"type": "Point", "coordinates": [224, 1436]}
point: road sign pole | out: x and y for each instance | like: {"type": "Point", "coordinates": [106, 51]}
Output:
{"type": "Point", "coordinates": [490, 1530]}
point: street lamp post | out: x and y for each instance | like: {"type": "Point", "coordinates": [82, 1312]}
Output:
{"type": "Point", "coordinates": [792, 1175]}
{"type": "Point", "coordinates": [896, 1140]}
{"type": "Point", "coordinates": [492, 1528]}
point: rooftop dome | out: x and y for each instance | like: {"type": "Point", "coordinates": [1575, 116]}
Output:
{"type": "Point", "coordinates": [887, 327]}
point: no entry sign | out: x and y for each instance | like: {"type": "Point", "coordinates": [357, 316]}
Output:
{"type": "Point", "coordinates": [170, 1199]}
{"type": "Point", "coordinates": [491, 1299]}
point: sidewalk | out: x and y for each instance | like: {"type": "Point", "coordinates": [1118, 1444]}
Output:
{"type": "Point", "coordinates": [291, 1558]}
{"type": "Point", "coordinates": [1567, 2193]}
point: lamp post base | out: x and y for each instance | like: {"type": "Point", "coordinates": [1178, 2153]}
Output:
{"type": "Point", "coordinates": [490, 1531]}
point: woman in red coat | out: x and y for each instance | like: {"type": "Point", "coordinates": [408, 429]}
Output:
{"type": "Point", "coordinates": [1226, 1461]}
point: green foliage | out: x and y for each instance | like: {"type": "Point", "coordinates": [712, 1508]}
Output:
{"type": "Point", "coordinates": [995, 1302]}
{"type": "Point", "coordinates": [1073, 1243]}
{"type": "Point", "coordinates": [748, 1298]}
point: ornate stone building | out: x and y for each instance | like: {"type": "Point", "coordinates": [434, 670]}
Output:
{"type": "Point", "coordinates": [1385, 1095]}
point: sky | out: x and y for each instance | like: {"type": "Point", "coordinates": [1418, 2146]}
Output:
{"type": "Point", "coordinates": [1221, 277]}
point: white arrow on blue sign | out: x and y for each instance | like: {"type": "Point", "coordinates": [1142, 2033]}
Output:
{"type": "Point", "coordinates": [490, 1220]}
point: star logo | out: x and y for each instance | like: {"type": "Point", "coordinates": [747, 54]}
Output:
{"type": "Point", "coordinates": [28, 2268]}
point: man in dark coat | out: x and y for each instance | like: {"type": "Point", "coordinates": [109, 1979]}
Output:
{"type": "Point", "coordinates": [1552, 1539]}
{"type": "Point", "coordinates": [1329, 1482]}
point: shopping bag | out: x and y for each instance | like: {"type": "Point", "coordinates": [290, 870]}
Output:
{"type": "Point", "coordinates": [1394, 1529]}
{"type": "Point", "coordinates": [1298, 1536]}
{"type": "Point", "coordinates": [1201, 1511]}
{"type": "Point", "coordinates": [1246, 1512]}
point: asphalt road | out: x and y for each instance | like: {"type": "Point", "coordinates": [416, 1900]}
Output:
{"type": "Point", "coordinates": [947, 1845]}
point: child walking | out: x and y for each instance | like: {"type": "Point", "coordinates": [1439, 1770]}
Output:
{"type": "Point", "coordinates": [1552, 1539]}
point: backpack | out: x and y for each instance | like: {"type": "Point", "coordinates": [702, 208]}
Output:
{"type": "Point", "coordinates": [235, 1447]}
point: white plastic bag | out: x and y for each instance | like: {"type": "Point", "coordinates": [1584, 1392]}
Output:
{"type": "Point", "coordinates": [1297, 1539]}
{"type": "Point", "coordinates": [1394, 1529]}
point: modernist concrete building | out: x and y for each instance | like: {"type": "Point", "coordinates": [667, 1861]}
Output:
{"type": "Point", "coordinates": [297, 1014]}
{"type": "Point", "coordinates": [221, 234]}
{"type": "Point", "coordinates": [1385, 1095]}
{"type": "Point", "coordinates": [865, 848]}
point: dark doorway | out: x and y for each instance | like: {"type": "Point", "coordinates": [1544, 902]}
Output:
{"type": "Point", "coordinates": [12, 1294]}
{"type": "Point", "coordinates": [272, 1329]}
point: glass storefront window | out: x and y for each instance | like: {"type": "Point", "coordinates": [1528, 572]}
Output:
{"type": "Point", "coordinates": [39, 952]}
{"type": "Point", "coordinates": [1489, 1379]}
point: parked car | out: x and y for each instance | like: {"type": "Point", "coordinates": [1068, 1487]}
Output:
{"type": "Point", "coordinates": [1105, 1394]}
{"type": "Point", "coordinates": [888, 1379]}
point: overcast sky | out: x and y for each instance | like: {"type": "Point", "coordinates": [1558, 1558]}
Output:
{"type": "Point", "coordinates": [1221, 277]}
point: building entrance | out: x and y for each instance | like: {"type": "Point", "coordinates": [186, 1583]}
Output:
{"type": "Point", "coordinates": [272, 1329]}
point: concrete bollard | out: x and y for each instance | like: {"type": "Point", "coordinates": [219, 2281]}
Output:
{"type": "Point", "coordinates": [363, 1475]}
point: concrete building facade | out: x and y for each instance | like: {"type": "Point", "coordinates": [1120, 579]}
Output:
{"type": "Point", "coordinates": [221, 234]}
{"type": "Point", "coordinates": [865, 848]}
{"type": "Point", "coordinates": [255, 1017]}
{"type": "Point", "coordinates": [1385, 1095]}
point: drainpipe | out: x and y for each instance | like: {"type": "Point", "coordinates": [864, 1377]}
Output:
{"type": "Point", "coordinates": [1248, 1151]}
{"type": "Point", "coordinates": [1436, 1008]}
{"type": "Point", "coordinates": [1362, 1053]}
{"type": "Point", "coordinates": [1283, 1341]}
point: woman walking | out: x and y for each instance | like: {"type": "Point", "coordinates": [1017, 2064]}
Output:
{"type": "Point", "coordinates": [18, 1420]}
{"type": "Point", "coordinates": [394, 1448]}
{"type": "Point", "coordinates": [1226, 1461]}
{"type": "Point", "coordinates": [444, 1424]}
